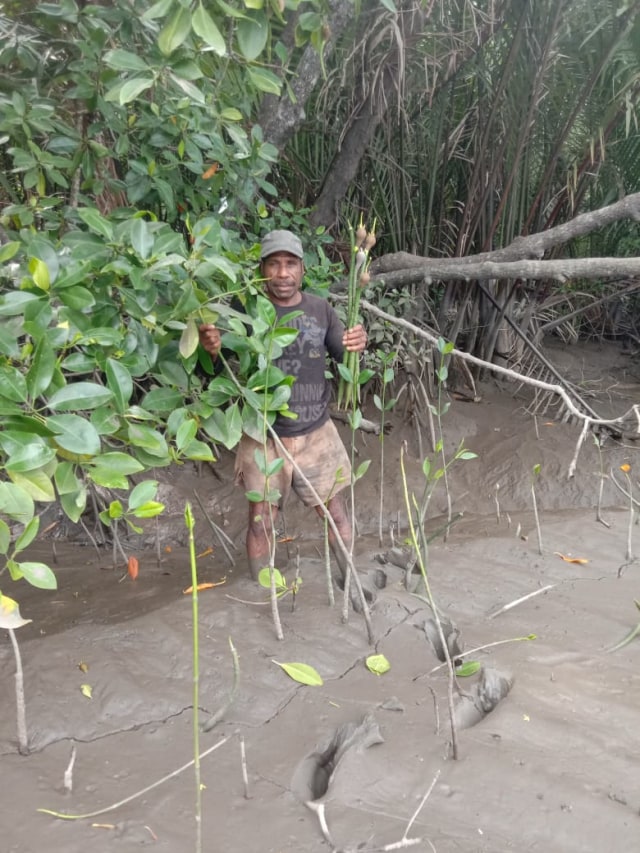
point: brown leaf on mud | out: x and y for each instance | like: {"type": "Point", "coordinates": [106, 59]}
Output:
{"type": "Point", "coordinates": [206, 552]}
{"type": "Point", "coordinates": [132, 568]}
{"type": "Point", "coordinates": [202, 586]}
{"type": "Point", "coordinates": [580, 560]}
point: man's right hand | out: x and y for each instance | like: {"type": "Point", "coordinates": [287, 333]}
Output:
{"type": "Point", "coordinates": [210, 339]}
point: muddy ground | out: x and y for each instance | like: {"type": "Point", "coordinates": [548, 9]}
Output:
{"type": "Point", "coordinates": [553, 767]}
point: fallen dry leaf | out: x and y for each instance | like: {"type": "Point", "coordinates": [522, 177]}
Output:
{"type": "Point", "coordinates": [580, 560]}
{"type": "Point", "coordinates": [206, 552]}
{"type": "Point", "coordinates": [132, 568]}
{"type": "Point", "coordinates": [202, 586]}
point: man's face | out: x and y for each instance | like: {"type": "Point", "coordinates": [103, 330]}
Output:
{"type": "Point", "coordinates": [283, 273]}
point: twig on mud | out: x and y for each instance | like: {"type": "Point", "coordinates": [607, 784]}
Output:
{"type": "Point", "coordinates": [319, 810]}
{"type": "Point", "coordinates": [244, 601]}
{"type": "Point", "coordinates": [245, 775]}
{"type": "Point", "coordinates": [519, 601]}
{"type": "Point", "coordinates": [219, 714]}
{"type": "Point", "coordinates": [135, 796]}
{"type": "Point", "coordinates": [21, 714]}
{"type": "Point", "coordinates": [68, 773]}
{"type": "Point", "coordinates": [220, 535]}
{"type": "Point", "coordinates": [422, 802]}
{"type": "Point", "coordinates": [482, 648]}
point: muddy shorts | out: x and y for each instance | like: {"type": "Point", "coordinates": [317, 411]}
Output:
{"type": "Point", "coordinates": [320, 455]}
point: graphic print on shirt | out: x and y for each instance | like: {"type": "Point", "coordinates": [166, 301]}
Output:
{"type": "Point", "coordinates": [304, 359]}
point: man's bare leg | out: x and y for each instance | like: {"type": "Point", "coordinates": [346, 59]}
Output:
{"type": "Point", "coordinates": [338, 513]}
{"type": "Point", "coordinates": [262, 519]}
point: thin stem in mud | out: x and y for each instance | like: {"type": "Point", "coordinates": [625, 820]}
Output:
{"type": "Point", "coordinates": [21, 712]}
{"type": "Point", "coordinates": [383, 406]}
{"type": "Point", "coordinates": [444, 349]}
{"type": "Point", "coordinates": [536, 472]}
{"type": "Point", "coordinates": [629, 556]}
{"type": "Point", "coordinates": [420, 548]}
{"type": "Point", "coordinates": [214, 719]}
{"type": "Point", "coordinates": [599, 517]}
{"type": "Point", "coordinates": [327, 563]}
{"type": "Point", "coordinates": [190, 523]}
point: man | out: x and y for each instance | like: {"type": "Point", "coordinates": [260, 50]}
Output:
{"type": "Point", "coordinates": [311, 439]}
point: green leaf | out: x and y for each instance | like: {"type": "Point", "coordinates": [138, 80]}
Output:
{"type": "Point", "coordinates": [264, 578]}
{"type": "Point", "coordinates": [198, 451]}
{"type": "Point", "coordinates": [39, 575]}
{"type": "Point", "coordinates": [37, 484]}
{"type": "Point", "coordinates": [79, 396]}
{"type": "Point", "coordinates": [10, 617]}
{"type": "Point", "coordinates": [96, 222]}
{"type": "Point", "coordinates": [123, 60]}
{"type": "Point", "coordinates": [5, 537]}
{"type": "Point", "coordinates": [148, 439]}
{"type": "Point", "coordinates": [470, 667]}
{"type": "Point", "coordinates": [186, 433]}
{"type": "Point", "coordinates": [141, 237]}
{"type": "Point", "coordinates": [189, 339]}
{"type": "Point", "coordinates": [148, 510]}
{"type": "Point", "coordinates": [361, 470]}
{"type": "Point", "coordinates": [468, 454]}
{"type": "Point", "coordinates": [40, 273]}
{"type": "Point", "coordinates": [13, 384]}
{"type": "Point", "coordinates": [75, 435]}
{"type": "Point", "coordinates": [205, 27]}
{"type": "Point", "coordinates": [143, 492]}
{"type": "Point", "coordinates": [301, 672]}
{"type": "Point", "coordinates": [252, 33]}
{"type": "Point", "coordinates": [28, 534]}
{"type": "Point", "coordinates": [8, 250]}
{"type": "Point", "coordinates": [345, 373]}
{"type": "Point", "coordinates": [120, 383]}
{"type": "Point", "coordinates": [175, 31]}
{"type": "Point", "coordinates": [162, 400]}
{"type": "Point", "coordinates": [265, 81]}
{"type": "Point", "coordinates": [29, 457]}
{"type": "Point", "coordinates": [158, 10]}
{"type": "Point", "coordinates": [378, 664]}
{"type": "Point", "coordinates": [16, 503]}
{"type": "Point", "coordinates": [74, 504]}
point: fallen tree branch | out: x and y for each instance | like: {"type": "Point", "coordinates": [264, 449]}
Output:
{"type": "Point", "coordinates": [590, 420]}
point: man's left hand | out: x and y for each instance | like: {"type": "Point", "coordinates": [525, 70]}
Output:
{"type": "Point", "coordinates": [355, 339]}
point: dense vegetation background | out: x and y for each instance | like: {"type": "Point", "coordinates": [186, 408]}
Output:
{"type": "Point", "coordinates": [145, 147]}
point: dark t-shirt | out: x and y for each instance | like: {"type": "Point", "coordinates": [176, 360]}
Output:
{"type": "Point", "coordinates": [320, 332]}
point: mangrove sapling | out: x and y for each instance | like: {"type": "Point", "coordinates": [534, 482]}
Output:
{"type": "Point", "coordinates": [356, 474]}
{"type": "Point", "coordinates": [383, 405]}
{"type": "Point", "coordinates": [535, 474]}
{"type": "Point", "coordinates": [190, 523]}
{"type": "Point", "coordinates": [420, 549]}
{"type": "Point", "coordinates": [442, 374]}
{"type": "Point", "coordinates": [626, 468]}
{"type": "Point", "coordinates": [602, 476]}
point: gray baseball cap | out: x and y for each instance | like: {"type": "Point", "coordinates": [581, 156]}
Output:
{"type": "Point", "coordinates": [281, 241]}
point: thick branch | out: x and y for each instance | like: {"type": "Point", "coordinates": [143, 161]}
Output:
{"type": "Point", "coordinates": [533, 247]}
{"type": "Point", "coordinates": [460, 268]}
